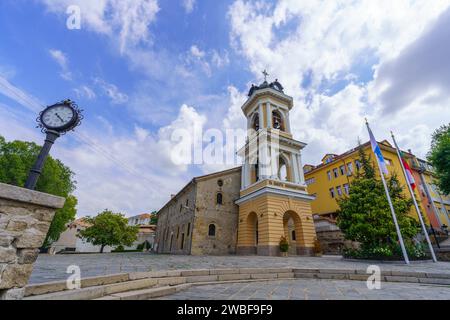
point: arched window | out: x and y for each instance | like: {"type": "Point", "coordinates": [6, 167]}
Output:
{"type": "Point", "coordinates": [212, 230]}
{"type": "Point", "coordinates": [219, 198]}
{"type": "Point", "coordinates": [282, 170]}
{"type": "Point", "coordinates": [294, 238]}
{"type": "Point", "coordinates": [277, 121]}
{"type": "Point", "coordinates": [256, 122]}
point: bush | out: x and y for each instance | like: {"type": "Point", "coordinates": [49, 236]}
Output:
{"type": "Point", "coordinates": [284, 244]}
{"type": "Point", "coordinates": [119, 249]}
{"type": "Point", "coordinates": [386, 252]}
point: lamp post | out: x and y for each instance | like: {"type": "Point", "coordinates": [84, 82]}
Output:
{"type": "Point", "coordinates": [54, 121]}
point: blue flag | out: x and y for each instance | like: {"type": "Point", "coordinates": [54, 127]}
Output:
{"type": "Point", "coordinates": [377, 151]}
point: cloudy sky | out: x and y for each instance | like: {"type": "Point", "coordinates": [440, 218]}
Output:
{"type": "Point", "coordinates": [143, 68]}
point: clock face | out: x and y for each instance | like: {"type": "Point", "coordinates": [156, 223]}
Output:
{"type": "Point", "coordinates": [58, 117]}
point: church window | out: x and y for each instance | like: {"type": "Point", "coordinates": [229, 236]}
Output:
{"type": "Point", "coordinates": [277, 121]}
{"type": "Point", "coordinates": [294, 238]}
{"type": "Point", "coordinates": [212, 230]}
{"type": "Point", "coordinates": [219, 198]}
{"type": "Point", "coordinates": [187, 202]}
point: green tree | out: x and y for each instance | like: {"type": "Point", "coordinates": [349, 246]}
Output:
{"type": "Point", "coordinates": [109, 229]}
{"type": "Point", "coordinates": [364, 215]}
{"type": "Point", "coordinates": [439, 157]}
{"type": "Point", "coordinates": [16, 160]}
{"type": "Point", "coordinates": [154, 218]}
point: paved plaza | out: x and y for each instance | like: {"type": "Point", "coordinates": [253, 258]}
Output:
{"type": "Point", "coordinates": [305, 289]}
{"type": "Point", "coordinates": [53, 268]}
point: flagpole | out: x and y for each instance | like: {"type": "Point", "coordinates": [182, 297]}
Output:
{"type": "Point", "coordinates": [414, 200]}
{"type": "Point", "coordinates": [394, 217]}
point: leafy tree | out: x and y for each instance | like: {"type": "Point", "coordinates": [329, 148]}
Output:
{"type": "Point", "coordinates": [109, 229]}
{"type": "Point", "coordinates": [365, 217]}
{"type": "Point", "coordinates": [154, 218]}
{"type": "Point", "coordinates": [439, 157]}
{"type": "Point", "coordinates": [16, 160]}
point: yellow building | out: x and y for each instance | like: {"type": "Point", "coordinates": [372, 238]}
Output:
{"type": "Point", "coordinates": [331, 179]}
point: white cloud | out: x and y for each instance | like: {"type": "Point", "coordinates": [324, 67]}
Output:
{"type": "Point", "coordinates": [62, 60]}
{"type": "Point", "coordinates": [188, 5]}
{"type": "Point", "coordinates": [315, 46]}
{"type": "Point", "coordinates": [126, 22]}
{"type": "Point", "coordinates": [112, 91]}
{"type": "Point", "coordinates": [421, 72]}
{"type": "Point", "coordinates": [196, 52]}
{"type": "Point", "coordinates": [85, 92]}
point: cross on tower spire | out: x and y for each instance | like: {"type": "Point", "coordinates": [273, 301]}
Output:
{"type": "Point", "coordinates": [265, 74]}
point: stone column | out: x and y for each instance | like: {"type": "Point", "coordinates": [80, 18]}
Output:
{"type": "Point", "coordinates": [25, 217]}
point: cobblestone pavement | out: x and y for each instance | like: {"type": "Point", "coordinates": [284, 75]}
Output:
{"type": "Point", "coordinates": [53, 268]}
{"type": "Point", "coordinates": [312, 290]}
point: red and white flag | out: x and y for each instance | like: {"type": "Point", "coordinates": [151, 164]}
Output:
{"type": "Point", "coordinates": [409, 175]}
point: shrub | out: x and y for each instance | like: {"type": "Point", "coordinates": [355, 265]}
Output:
{"type": "Point", "coordinates": [284, 244]}
{"type": "Point", "coordinates": [119, 249]}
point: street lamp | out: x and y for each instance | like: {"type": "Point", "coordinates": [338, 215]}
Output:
{"type": "Point", "coordinates": [54, 121]}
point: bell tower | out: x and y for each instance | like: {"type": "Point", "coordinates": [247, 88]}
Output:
{"type": "Point", "coordinates": [274, 201]}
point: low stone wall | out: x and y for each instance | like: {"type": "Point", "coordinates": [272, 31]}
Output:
{"type": "Point", "coordinates": [25, 217]}
{"type": "Point", "coordinates": [443, 254]}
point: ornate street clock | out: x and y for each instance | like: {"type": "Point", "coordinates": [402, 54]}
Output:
{"type": "Point", "coordinates": [54, 121]}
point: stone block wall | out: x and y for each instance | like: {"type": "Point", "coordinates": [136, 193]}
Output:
{"type": "Point", "coordinates": [25, 217]}
{"type": "Point", "coordinates": [223, 216]}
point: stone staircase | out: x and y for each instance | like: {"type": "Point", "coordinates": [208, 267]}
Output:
{"type": "Point", "coordinates": [149, 285]}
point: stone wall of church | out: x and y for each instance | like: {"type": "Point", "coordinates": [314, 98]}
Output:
{"type": "Point", "coordinates": [175, 222]}
{"type": "Point", "coordinates": [223, 216]}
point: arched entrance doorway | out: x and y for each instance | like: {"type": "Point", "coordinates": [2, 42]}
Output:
{"type": "Point", "coordinates": [292, 227]}
{"type": "Point", "coordinates": [253, 232]}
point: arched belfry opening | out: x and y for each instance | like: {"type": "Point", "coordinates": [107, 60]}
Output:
{"type": "Point", "coordinates": [255, 125]}
{"type": "Point", "coordinates": [282, 169]}
{"type": "Point", "coordinates": [277, 120]}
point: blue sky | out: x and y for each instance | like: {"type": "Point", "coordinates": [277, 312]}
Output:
{"type": "Point", "coordinates": [143, 68]}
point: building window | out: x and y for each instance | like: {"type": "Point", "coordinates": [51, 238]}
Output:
{"type": "Point", "coordinates": [346, 189]}
{"type": "Point", "coordinates": [189, 229]}
{"type": "Point", "coordinates": [310, 181]}
{"type": "Point", "coordinates": [187, 202]}
{"type": "Point", "coordinates": [388, 162]}
{"type": "Point", "coordinates": [212, 230]}
{"type": "Point", "coordinates": [220, 183]}
{"type": "Point", "coordinates": [294, 238]}
{"type": "Point", "coordinates": [182, 241]}
{"type": "Point", "coordinates": [219, 198]}
{"type": "Point", "coordinates": [277, 121]}
{"type": "Point", "coordinates": [349, 169]}
{"type": "Point", "coordinates": [358, 165]}
{"type": "Point", "coordinates": [178, 232]}
{"type": "Point", "coordinates": [339, 191]}
{"type": "Point", "coordinates": [336, 172]}
{"type": "Point", "coordinates": [282, 171]}
{"type": "Point", "coordinates": [332, 192]}
{"type": "Point", "coordinates": [342, 169]}
{"type": "Point", "coordinates": [329, 175]}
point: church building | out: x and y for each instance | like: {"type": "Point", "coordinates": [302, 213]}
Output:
{"type": "Point", "coordinates": [247, 210]}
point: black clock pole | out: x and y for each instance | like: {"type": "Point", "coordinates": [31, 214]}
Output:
{"type": "Point", "coordinates": [35, 172]}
